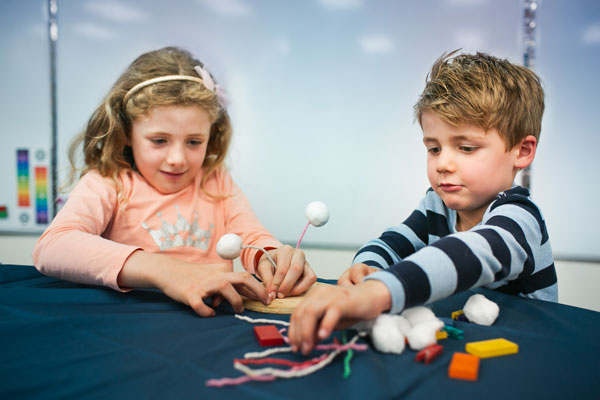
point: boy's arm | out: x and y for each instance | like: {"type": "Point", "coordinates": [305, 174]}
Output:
{"type": "Point", "coordinates": [509, 249]}
{"type": "Point", "coordinates": [398, 242]}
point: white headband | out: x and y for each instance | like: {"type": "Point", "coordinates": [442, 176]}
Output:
{"type": "Point", "coordinates": [205, 80]}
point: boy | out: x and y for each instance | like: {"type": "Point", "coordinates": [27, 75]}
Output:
{"type": "Point", "coordinates": [481, 120]}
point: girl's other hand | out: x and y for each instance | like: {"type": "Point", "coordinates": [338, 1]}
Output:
{"type": "Point", "coordinates": [293, 275]}
{"type": "Point", "coordinates": [191, 284]}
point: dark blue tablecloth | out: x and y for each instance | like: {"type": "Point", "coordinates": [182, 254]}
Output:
{"type": "Point", "coordinates": [64, 340]}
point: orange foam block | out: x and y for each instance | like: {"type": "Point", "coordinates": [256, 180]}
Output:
{"type": "Point", "coordinates": [464, 366]}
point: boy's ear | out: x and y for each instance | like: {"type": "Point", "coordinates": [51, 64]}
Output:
{"type": "Point", "coordinates": [525, 152]}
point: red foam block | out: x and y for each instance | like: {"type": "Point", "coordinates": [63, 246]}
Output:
{"type": "Point", "coordinates": [268, 335]}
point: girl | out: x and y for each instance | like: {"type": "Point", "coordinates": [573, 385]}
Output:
{"type": "Point", "coordinates": [154, 197]}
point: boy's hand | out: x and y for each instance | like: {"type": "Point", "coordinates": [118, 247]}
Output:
{"type": "Point", "coordinates": [326, 308]}
{"type": "Point", "coordinates": [355, 274]}
{"type": "Point", "coordinates": [293, 275]}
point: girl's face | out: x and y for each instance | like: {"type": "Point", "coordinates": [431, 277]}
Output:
{"type": "Point", "coordinates": [169, 145]}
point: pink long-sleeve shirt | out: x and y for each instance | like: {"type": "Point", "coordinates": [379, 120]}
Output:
{"type": "Point", "coordinates": [92, 236]}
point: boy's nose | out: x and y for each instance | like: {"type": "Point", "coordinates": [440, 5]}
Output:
{"type": "Point", "coordinates": [445, 162]}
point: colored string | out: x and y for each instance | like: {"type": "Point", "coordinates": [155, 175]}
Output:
{"type": "Point", "coordinates": [295, 372]}
{"type": "Point", "coordinates": [265, 353]}
{"type": "Point", "coordinates": [239, 380]}
{"type": "Point", "coordinates": [349, 353]}
{"type": "Point", "coordinates": [261, 320]}
{"type": "Point", "coordinates": [280, 361]}
{"type": "Point", "coordinates": [297, 369]}
{"type": "Point", "coordinates": [303, 232]}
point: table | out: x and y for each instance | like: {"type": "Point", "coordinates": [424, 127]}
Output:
{"type": "Point", "coordinates": [65, 340]}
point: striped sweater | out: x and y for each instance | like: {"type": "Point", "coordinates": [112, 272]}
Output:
{"type": "Point", "coordinates": [425, 259]}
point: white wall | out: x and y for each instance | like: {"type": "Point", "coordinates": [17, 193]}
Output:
{"type": "Point", "coordinates": [577, 280]}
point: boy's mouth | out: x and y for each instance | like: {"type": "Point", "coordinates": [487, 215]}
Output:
{"type": "Point", "coordinates": [449, 187]}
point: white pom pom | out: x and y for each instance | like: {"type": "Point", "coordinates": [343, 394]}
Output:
{"type": "Point", "coordinates": [386, 335]}
{"type": "Point", "coordinates": [417, 315]}
{"type": "Point", "coordinates": [229, 246]}
{"type": "Point", "coordinates": [317, 213]}
{"type": "Point", "coordinates": [479, 310]}
{"type": "Point", "coordinates": [423, 334]}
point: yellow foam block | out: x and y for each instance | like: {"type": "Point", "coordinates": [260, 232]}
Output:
{"type": "Point", "coordinates": [492, 348]}
{"type": "Point", "coordinates": [441, 335]}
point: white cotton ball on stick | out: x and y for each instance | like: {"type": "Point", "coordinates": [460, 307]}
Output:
{"type": "Point", "coordinates": [480, 310]}
{"type": "Point", "coordinates": [317, 213]}
{"type": "Point", "coordinates": [229, 246]}
{"type": "Point", "coordinates": [386, 335]}
{"type": "Point", "coordinates": [424, 334]}
{"type": "Point", "coordinates": [417, 315]}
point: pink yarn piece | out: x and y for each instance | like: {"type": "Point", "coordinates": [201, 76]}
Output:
{"type": "Point", "coordinates": [303, 232]}
{"type": "Point", "coordinates": [239, 380]}
{"type": "Point", "coordinates": [280, 361]}
{"type": "Point", "coordinates": [332, 346]}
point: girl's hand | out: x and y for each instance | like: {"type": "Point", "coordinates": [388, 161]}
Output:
{"type": "Point", "coordinates": [355, 274]}
{"type": "Point", "coordinates": [326, 308]}
{"type": "Point", "coordinates": [293, 275]}
{"type": "Point", "coordinates": [191, 283]}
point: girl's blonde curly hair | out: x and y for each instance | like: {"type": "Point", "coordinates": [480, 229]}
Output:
{"type": "Point", "coordinates": [108, 130]}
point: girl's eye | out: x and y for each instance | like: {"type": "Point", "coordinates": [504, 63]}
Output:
{"type": "Point", "coordinates": [434, 150]}
{"type": "Point", "coordinates": [195, 142]}
{"type": "Point", "coordinates": [158, 140]}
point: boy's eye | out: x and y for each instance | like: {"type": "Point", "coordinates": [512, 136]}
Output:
{"type": "Point", "coordinates": [468, 149]}
{"type": "Point", "coordinates": [434, 150]}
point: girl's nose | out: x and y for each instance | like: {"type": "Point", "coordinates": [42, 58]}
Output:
{"type": "Point", "coordinates": [175, 156]}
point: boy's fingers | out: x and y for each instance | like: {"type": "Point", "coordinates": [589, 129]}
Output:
{"type": "Point", "coordinates": [329, 322]}
{"type": "Point", "coordinates": [344, 279]}
{"type": "Point", "coordinates": [357, 275]}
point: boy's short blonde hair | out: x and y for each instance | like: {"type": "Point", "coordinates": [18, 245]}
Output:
{"type": "Point", "coordinates": [485, 91]}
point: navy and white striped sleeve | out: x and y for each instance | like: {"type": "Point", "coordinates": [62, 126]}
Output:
{"type": "Point", "coordinates": [399, 242]}
{"type": "Point", "coordinates": [508, 251]}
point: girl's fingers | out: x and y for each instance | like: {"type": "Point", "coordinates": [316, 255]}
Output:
{"type": "Point", "coordinates": [304, 283]}
{"type": "Point", "coordinates": [295, 271]}
{"type": "Point", "coordinates": [283, 259]}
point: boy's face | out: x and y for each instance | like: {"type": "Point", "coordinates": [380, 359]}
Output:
{"type": "Point", "coordinates": [467, 166]}
{"type": "Point", "coordinates": [169, 146]}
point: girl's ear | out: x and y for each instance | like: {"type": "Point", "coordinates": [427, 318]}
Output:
{"type": "Point", "coordinates": [525, 152]}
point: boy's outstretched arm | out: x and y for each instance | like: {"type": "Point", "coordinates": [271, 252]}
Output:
{"type": "Point", "coordinates": [326, 308]}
